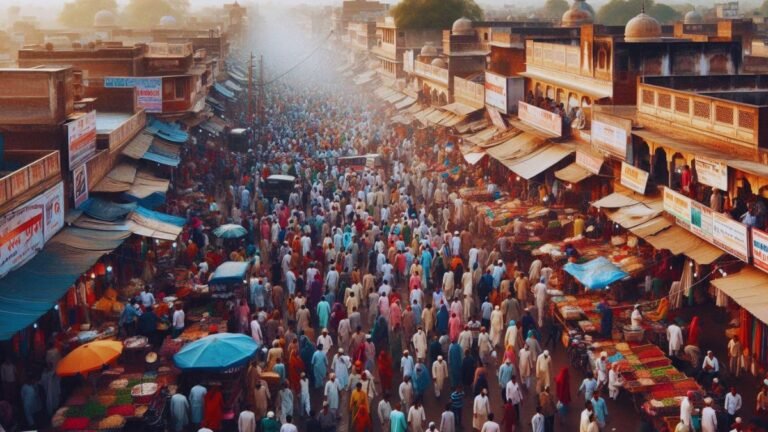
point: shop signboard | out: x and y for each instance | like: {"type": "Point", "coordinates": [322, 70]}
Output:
{"type": "Point", "coordinates": [760, 249]}
{"type": "Point", "coordinates": [633, 178]}
{"type": "Point", "coordinates": [149, 90]}
{"type": "Point", "coordinates": [678, 205]}
{"type": "Point", "coordinates": [589, 162]}
{"type": "Point", "coordinates": [610, 139]}
{"type": "Point", "coordinates": [711, 173]}
{"type": "Point", "coordinates": [541, 118]}
{"type": "Point", "coordinates": [81, 139]}
{"type": "Point", "coordinates": [701, 221]}
{"type": "Point", "coordinates": [731, 236]}
{"type": "Point", "coordinates": [80, 184]}
{"type": "Point", "coordinates": [496, 92]}
{"type": "Point", "coordinates": [26, 229]}
{"type": "Point", "coordinates": [408, 61]}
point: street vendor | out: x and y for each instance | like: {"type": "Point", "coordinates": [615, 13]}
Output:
{"type": "Point", "coordinates": [637, 318]}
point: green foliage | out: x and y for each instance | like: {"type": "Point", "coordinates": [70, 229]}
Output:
{"type": "Point", "coordinates": [619, 12]}
{"type": "Point", "coordinates": [80, 13]}
{"type": "Point", "coordinates": [434, 14]}
{"type": "Point", "coordinates": [554, 9]}
{"type": "Point", "coordinates": [147, 13]}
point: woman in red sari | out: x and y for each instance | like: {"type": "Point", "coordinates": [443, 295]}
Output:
{"type": "Point", "coordinates": [362, 420]}
{"type": "Point", "coordinates": [295, 368]}
{"type": "Point", "coordinates": [693, 332]}
{"type": "Point", "coordinates": [563, 386]}
{"type": "Point", "coordinates": [384, 364]}
{"type": "Point", "coordinates": [214, 408]}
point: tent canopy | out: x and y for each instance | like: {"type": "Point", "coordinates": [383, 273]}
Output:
{"type": "Point", "coordinates": [229, 272]}
{"type": "Point", "coordinates": [748, 288]}
{"type": "Point", "coordinates": [595, 274]}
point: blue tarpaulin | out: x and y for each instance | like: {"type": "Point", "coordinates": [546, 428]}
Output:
{"type": "Point", "coordinates": [167, 131]}
{"type": "Point", "coordinates": [106, 210]}
{"type": "Point", "coordinates": [156, 154]}
{"type": "Point", "coordinates": [151, 201]}
{"type": "Point", "coordinates": [162, 217]}
{"type": "Point", "coordinates": [229, 94]}
{"type": "Point", "coordinates": [595, 274]}
{"type": "Point", "coordinates": [229, 272]}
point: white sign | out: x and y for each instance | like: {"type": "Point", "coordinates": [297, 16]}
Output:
{"type": "Point", "coordinates": [731, 236]}
{"type": "Point", "coordinates": [633, 178]}
{"type": "Point", "coordinates": [81, 139]}
{"type": "Point", "coordinates": [678, 205]}
{"type": "Point", "coordinates": [711, 173]}
{"type": "Point", "coordinates": [149, 90]}
{"type": "Point", "coordinates": [540, 118]}
{"type": "Point", "coordinates": [408, 60]}
{"type": "Point", "coordinates": [496, 92]}
{"type": "Point", "coordinates": [25, 230]}
{"type": "Point", "coordinates": [701, 221]}
{"type": "Point", "coordinates": [609, 138]}
{"type": "Point", "coordinates": [760, 249]}
{"type": "Point", "coordinates": [80, 184]}
{"type": "Point", "coordinates": [589, 162]}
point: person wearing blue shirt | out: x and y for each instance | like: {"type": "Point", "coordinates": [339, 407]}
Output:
{"type": "Point", "coordinates": [128, 318]}
{"type": "Point", "coordinates": [506, 370]}
{"type": "Point", "coordinates": [600, 409]}
{"type": "Point", "coordinates": [588, 386]}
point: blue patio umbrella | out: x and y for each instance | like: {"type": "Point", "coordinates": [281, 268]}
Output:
{"type": "Point", "coordinates": [216, 353]}
{"type": "Point", "coordinates": [230, 231]}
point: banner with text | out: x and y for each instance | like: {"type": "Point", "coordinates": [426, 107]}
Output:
{"type": "Point", "coordinates": [701, 221]}
{"type": "Point", "coordinates": [26, 229]}
{"type": "Point", "coordinates": [678, 205]}
{"type": "Point", "coordinates": [760, 249]}
{"type": "Point", "coordinates": [80, 181]}
{"type": "Point", "coordinates": [731, 236]}
{"type": "Point", "coordinates": [81, 139]}
{"type": "Point", "coordinates": [496, 92]}
{"type": "Point", "coordinates": [610, 139]}
{"type": "Point", "coordinates": [541, 118]}
{"type": "Point", "coordinates": [149, 90]}
{"type": "Point", "coordinates": [711, 173]}
{"type": "Point", "coordinates": [633, 178]}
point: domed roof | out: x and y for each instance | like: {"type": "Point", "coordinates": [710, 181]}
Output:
{"type": "Point", "coordinates": [693, 17]}
{"type": "Point", "coordinates": [579, 13]}
{"type": "Point", "coordinates": [167, 21]}
{"type": "Point", "coordinates": [104, 18]}
{"type": "Point", "coordinates": [462, 26]}
{"type": "Point", "coordinates": [438, 62]}
{"type": "Point", "coordinates": [429, 50]}
{"type": "Point", "coordinates": [641, 28]}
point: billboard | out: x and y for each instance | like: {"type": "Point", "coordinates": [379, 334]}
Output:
{"type": "Point", "coordinates": [541, 118]}
{"type": "Point", "coordinates": [610, 139]}
{"type": "Point", "coordinates": [80, 184]}
{"type": "Point", "coordinates": [711, 173]}
{"type": "Point", "coordinates": [81, 139]}
{"type": "Point", "coordinates": [149, 90]}
{"type": "Point", "coordinates": [496, 91]}
{"type": "Point", "coordinates": [633, 178]}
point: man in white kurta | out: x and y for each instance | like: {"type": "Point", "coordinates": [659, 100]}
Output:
{"type": "Point", "coordinates": [439, 374]}
{"type": "Point", "coordinates": [419, 341]}
{"type": "Point", "coordinates": [708, 417]}
{"type": "Point", "coordinates": [331, 393]}
{"type": "Point", "coordinates": [480, 410]}
{"type": "Point", "coordinates": [246, 422]}
{"type": "Point", "coordinates": [686, 410]}
{"type": "Point", "coordinates": [497, 326]}
{"type": "Point", "coordinates": [675, 338]}
{"type": "Point", "coordinates": [543, 371]}
{"type": "Point", "coordinates": [540, 294]}
{"type": "Point", "coordinates": [525, 365]}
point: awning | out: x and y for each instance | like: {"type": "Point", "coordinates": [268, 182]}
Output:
{"type": "Point", "coordinates": [147, 184]}
{"type": "Point", "coordinates": [748, 288]}
{"type": "Point", "coordinates": [138, 145]}
{"type": "Point", "coordinates": [237, 77]}
{"type": "Point", "coordinates": [30, 291]}
{"type": "Point", "coordinates": [92, 240]}
{"type": "Point", "coordinates": [365, 77]}
{"type": "Point", "coordinates": [473, 127]}
{"type": "Point", "coordinates": [573, 173]}
{"type": "Point", "coordinates": [154, 224]}
{"type": "Point", "coordinates": [232, 86]}
{"type": "Point", "coordinates": [482, 137]}
{"type": "Point", "coordinates": [167, 131]}
{"type": "Point", "coordinates": [98, 208]}
{"type": "Point", "coordinates": [635, 215]}
{"type": "Point", "coordinates": [586, 86]}
{"type": "Point", "coordinates": [515, 147]}
{"type": "Point", "coordinates": [405, 103]}
{"type": "Point", "coordinates": [404, 118]}
{"type": "Point", "coordinates": [395, 97]}
{"type": "Point", "coordinates": [163, 153]}
{"type": "Point", "coordinates": [383, 92]}
{"type": "Point", "coordinates": [119, 179]}
{"type": "Point", "coordinates": [229, 272]}
{"type": "Point", "coordinates": [435, 116]}
{"type": "Point", "coordinates": [452, 120]}
{"type": "Point", "coordinates": [530, 166]}
{"type": "Point", "coordinates": [614, 200]}
{"type": "Point", "coordinates": [423, 114]}
{"type": "Point", "coordinates": [474, 157]}
{"type": "Point", "coordinates": [595, 274]}
{"type": "Point", "coordinates": [197, 118]}
{"type": "Point", "coordinates": [678, 241]}
{"type": "Point", "coordinates": [227, 93]}
{"type": "Point", "coordinates": [212, 127]}
{"type": "Point", "coordinates": [214, 103]}
{"type": "Point", "coordinates": [460, 109]}
{"type": "Point", "coordinates": [651, 227]}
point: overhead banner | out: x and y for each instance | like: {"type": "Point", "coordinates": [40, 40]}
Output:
{"type": "Point", "coordinates": [496, 119]}
{"type": "Point", "coordinates": [25, 230]}
{"type": "Point", "coordinates": [633, 178]}
{"type": "Point", "coordinates": [701, 221]}
{"type": "Point", "coordinates": [677, 205]}
{"type": "Point", "coordinates": [610, 139]}
{"type": "Point", "coordinates": [496, 92]}
{"type": "Point", "coordinates": [589, 162]}
{"type": "Point", "coordinates": [149, 90]}
{"type": "Point", "coordinates": [760, 249]}
{"type": "Point", "coordinates": [731, 236]}
{"type": "Point", "coordinates": [540, 118]}
{"type": "Point", "coordinates": [711, 173]}
{"type": "Point", "coordinates": [81, 139]}
{"type": "Point", "coordinates": [80, 184]}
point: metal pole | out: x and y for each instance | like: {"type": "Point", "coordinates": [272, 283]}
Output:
{"type": "Point", "coordinates": [261, 90]}
{"type": "Point", "coordinates": [250, 88]}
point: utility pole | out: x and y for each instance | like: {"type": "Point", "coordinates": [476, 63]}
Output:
{"type": "Point", "coordinates": [261, 90]}
{"type": "Point", "coordinates": [250, 88]}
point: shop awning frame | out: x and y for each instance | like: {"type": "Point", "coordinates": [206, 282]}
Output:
{"type": "Point", "coordinates": [749, 289]}
{"type": "Point", "coordinates": [460, 109]}
{"type": "Point", "coordinates": [540, 160]}
{"type": "Point", "coordinates": [573, 173]}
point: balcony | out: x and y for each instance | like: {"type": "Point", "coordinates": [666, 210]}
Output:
{"type": "Point", "coordinates": [432, 73]}
{"type": "Point", "coordinates": [465, 48]}
{"type": "Point", "coordinates": [168, 50]}
{"type": "Point", "coordinates": [34, 168]}
{"type": "Point", "coordinates": [469, 92]}
{"type": "Point", "coordinates": [559, 57]}
{"type": "Point", "coordinates": [117, 129]}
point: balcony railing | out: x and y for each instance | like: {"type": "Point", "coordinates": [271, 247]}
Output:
{"type": "Point", "coordinates": [469, 92]}
{"type": "Point", "coordinates": [465, 47]}
{"type": "Point", "coordinates": [430, 72]}
{"type": "Point", "coordinates": [559, 57]}
{"type": "Point", "coordinates": [126, 131]}
{"type": "Point", "coordinates": [43, 165]}
{"type": "Point", "coordinates": [168, 50]}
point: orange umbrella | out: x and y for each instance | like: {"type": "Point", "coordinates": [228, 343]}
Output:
{"type": "Point", "coordinates": [89, 357]}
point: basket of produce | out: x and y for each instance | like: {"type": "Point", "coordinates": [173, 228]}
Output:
{"type": "Point", "coordinates": [113, 423]}
{"type": "Point", "coordinates": [143, 393]}
{"type": "Point", "coordinates": [632, 334]}
{"type": "Point", "coordinates": [136, 343]}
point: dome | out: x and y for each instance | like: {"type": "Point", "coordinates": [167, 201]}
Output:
{"type": "Point", "coordinates": [693, 17]}
{"type": "Point", "coordinates": [429, 50]}
{"type": "Point", "coordinates": [462, 26]}
{"type": "Point", "coordinates": [104, 18]}
{"type": "Point", "coordinates": [641, 28]}
{"type": "Point", "coordinates": [579, 13]}
{"type": "Point", "coordinates": [438, 62]}
{"type": "Point", "coordinates": [167, 21]}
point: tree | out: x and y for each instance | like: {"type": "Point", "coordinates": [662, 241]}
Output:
{"type": "Point", "coordinates": [554, 9]}
{"type": "Point", "coordinates": [434, 14]}
{"type": "Point", "coordinates": [80, 13]}
{"type": "Point", "coordinates": [147, 13]}
{"type": "Point", "coordinates": [664, 14]}
{"type": "Point", "coordinates": [619, 12]}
